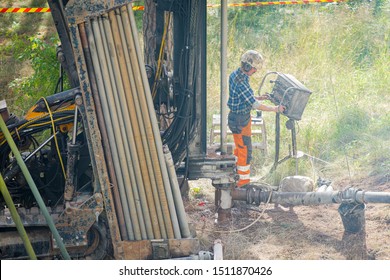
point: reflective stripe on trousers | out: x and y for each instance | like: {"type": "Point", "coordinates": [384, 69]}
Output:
{"type": "Point", "coordinates": [243, 152]}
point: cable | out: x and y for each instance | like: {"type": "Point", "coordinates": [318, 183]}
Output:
{"type": "Point", "coordinates": [39, 122]}
{"type": "Point", "coordinates": [159, 68]}
{"type": "Point", "coordinates": [55, 137]}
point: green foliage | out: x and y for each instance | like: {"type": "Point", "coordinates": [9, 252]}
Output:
{"type": "Point", "coordinates": [7, 20]}
{"type": "Point", "coordinates": [350, 126]}
{"type": "Point", "coordinates": [138, 15]}
{"type": "Point", "coordinates": [42, 58]}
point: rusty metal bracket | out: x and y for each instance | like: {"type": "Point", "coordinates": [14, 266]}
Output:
{"type": "Point", "coordinates": [74, 223]}
{"type": "Point", "coordinates": [160, 249]}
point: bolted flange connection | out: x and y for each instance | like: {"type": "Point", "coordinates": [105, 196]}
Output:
{"type": "Point", "coordinates": [255, 196]}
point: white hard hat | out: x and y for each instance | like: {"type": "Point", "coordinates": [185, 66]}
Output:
{"type": "Point", "coordinates": [253, 58]}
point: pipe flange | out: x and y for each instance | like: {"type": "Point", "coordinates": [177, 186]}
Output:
{"type": "Point", "coordinates": [349, 195]}
{"type": "Point", "coordinates": [253, 195]}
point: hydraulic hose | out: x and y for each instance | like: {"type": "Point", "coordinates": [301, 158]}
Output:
{"type": "Point", "coordinates": [34, 189]}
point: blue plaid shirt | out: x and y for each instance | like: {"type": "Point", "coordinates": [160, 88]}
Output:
{"type": "Point", "coordinates": [241, 96]}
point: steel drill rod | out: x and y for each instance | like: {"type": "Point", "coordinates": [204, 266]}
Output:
{"type": "Point", "coordinates": [34, 189]}
{"type": "Point", "coordinates": [104, 86]}
{"type": "Point", "coordinates": [181, 214]}
{"type": "Point", "coordinates": [224, 81]}
{"type": "Point", "coordinates": [143, 112]}
{"type": "Point", "coordinates": [146, 130]}
{"type": "Point", "coordinates": [148, 182]}
{"type": "Point", "coordinates": [135, 165]}
{"type": "Point", "coordinates": [139, 190]}
{"type": "Point", "coordinates": [123, 117]}
{"type": "Point", "coordinates": [310, 198]}
{"type": "Point", "coordinates": [171, 203]}
{"type": "Point", "coordinates": [138, 187]}
{"type": "Point", "coordinates": [131, 119]}
{"type": "Point", "coordinates": [121, 135]}
{"type": "Point", "coordinates": [135, 118]}
{"type": "Point", "coordinates": [156, 142]}
{"type": "Point", "coordinates": [103, 130]}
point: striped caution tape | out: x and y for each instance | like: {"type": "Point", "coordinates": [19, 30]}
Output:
{"type": "Point", "coordinates": [141, 8]}
{"type": "Point", "coordinates": [24, 10]}
{"type": "Point", "coordinates": [45, 10]}
{"type": "Point", "coordinates": [254, 4]}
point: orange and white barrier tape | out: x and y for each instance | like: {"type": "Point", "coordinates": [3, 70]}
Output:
{"type": "Point", "coordinates": [141, 8]}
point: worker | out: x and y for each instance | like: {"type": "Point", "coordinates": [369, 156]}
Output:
{"type": "Point", "coordinates": [241, 101]}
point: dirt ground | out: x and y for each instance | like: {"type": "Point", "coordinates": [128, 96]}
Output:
{"type": "Point", "coordinates": [300, 233]}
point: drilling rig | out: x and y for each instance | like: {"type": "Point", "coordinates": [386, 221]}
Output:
{"type": "Point", "coordinates": [96, 171]}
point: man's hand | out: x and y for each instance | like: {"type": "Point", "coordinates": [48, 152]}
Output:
{"type": "Point", "coordinates": [279, 109]}
{"type": "Point", "coordinates": [262, 97]}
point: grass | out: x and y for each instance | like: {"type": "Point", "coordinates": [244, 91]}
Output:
{"type": "Point", "coordinates": [341, 53]}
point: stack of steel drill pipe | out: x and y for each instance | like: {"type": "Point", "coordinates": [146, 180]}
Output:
{"type": "Point", "coordinates": [149, 119]}
{"type": "Point", "coordinates": [147, 105]}
{"type": "Point", "coordinates": [111, 120]}
{"type": "Point", "coordinates": [140, 194]}
{"type": "Point", "coordinates": [157, 151]}
{"type": "Point", "coordinates": [103, 129]}
{"type": "Point", "coordinates": [130, 115]}
{"type": "Point", "coordinates": [124, 123]}
{"type": "Point", "coordinates": [130, 121]}
{"type": "Point", "coordinates": [133, 101]}
{"type": "Point", "coordinates": [129, 192]}
{"type": "Point", "coordinates": [151, 209]}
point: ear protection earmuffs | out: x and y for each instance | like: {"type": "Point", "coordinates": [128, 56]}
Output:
{"type": "Point", "coordinates": [246, 66]}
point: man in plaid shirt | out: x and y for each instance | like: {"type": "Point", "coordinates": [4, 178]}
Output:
{"type": "Point", "coordinates": [241, 102]}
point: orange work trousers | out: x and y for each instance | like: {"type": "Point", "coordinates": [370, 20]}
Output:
{"type": "Point", "coordinates": [241, 128]}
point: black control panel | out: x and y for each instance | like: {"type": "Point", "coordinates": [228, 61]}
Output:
{"type": "Point", "coordinates": [291, 93]}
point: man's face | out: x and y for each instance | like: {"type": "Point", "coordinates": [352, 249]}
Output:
{"type": "Point", "coordinates": [252, 71]}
